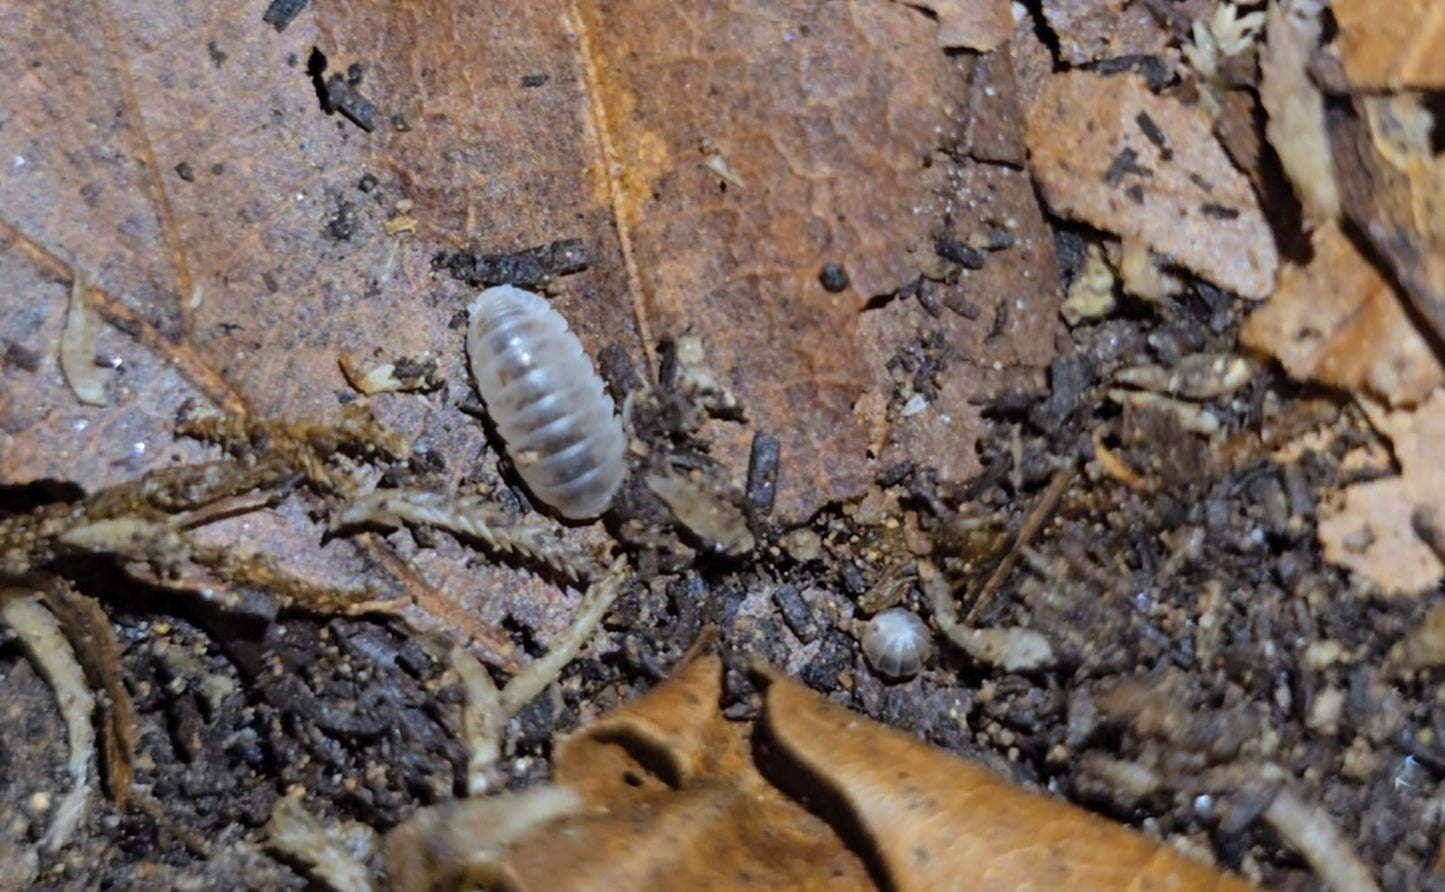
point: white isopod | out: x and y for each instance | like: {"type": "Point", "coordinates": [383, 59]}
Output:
{"type": "Point", "coordinates": [896, 643]}
{"type": "Point", "coordinates": [549, 405]}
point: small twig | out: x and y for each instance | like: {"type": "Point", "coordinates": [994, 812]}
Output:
{"type": "Point", "coordinates": [1033, 522]}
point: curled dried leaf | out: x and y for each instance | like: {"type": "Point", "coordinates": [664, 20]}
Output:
{"type": "Point", "coordinates": [920, 810]}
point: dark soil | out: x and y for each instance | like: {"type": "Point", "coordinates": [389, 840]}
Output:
{"type": "Point", "coordinates": [1198, 638]}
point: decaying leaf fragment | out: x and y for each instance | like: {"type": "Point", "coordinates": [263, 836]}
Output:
{"type": "Point", "coordinates": [1107, 151]}
{"type": "Point", "coordinates": [1381, 528]}
{"type": "Point", "coordinates": [678, 797]}
{"type": "Point", "coordinates": [970, 24]}
{"type": "Point", "coordinates": [1392, 186]}
{"type": "Point", "coordinates": [1088, 31]}
{"type": "Point", "coordinates": [1338, 321]}
{"type": "Point", "coordinates": [1388, 44]}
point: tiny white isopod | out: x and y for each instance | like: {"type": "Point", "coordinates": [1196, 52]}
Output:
{"type": "Point", "coordinates": [550, 407]}
{"type": "Point", "coordinates": [896, 643]}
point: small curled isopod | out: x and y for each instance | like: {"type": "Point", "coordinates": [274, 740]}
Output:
{"type": "Point", "coordinates": [896, 643]}
{"type": "Point", "coordinates": [549, 405]}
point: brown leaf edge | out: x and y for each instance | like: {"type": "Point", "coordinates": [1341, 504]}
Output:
{"type": "Point", "coordinates": [931, 820]}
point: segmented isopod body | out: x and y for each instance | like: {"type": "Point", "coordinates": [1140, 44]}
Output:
{"type": "Point", "coordinates": [547, 402]}
{"type": "Point", "coordinates": [896, 643]}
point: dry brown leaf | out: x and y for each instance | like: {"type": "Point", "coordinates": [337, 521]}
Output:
{"type": "Point", "coordinates": [1389, 44]}
{"type": "Point", "coordinates": [1375, 529]}
{"type": "Point", "coordinates": [239, 244]}
{"type": "Point", "coordinates": [678, 802]}
{"type": "Point", "coordinates": [1338, 321]}
{"type": "Point", "coordinates": [1166, 181]}
{"type": "Point", "coordinates": [242, 240]}
{"type": "Point", "coordinates": [970, 24]}
{"type": "Point", "coordinates": [1088, 30]}
{"type": "Point", "coordinates": [792, 117]}
{"type": "Point", "coordinates": [933, 818]}
{"type": "Point", "coordinates": [998, 323]}
{"type": "Point", "coordinates": [740, 165]}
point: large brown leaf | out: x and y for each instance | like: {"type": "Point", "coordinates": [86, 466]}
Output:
{"type": "Point", "coordinates": [676, 796]}
{"type": "Point", "coordinates": [712, 160]}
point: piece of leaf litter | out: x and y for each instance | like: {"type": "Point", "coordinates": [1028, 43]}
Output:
{"type": "Point", "coordinates": [1107, 151]}
{"type": "Point", "coordinates": [1379, 529]}
{"type": "Point", "coordinates": [1338, 321]}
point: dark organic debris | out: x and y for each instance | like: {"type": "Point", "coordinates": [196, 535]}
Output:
{"type": "Point", "coordinates": [762, 485]}
{"type": "Point", "coordinates": [532, 268]}
{"type": "Point", "coordinates": [282, 12]}
{"type": "Point", "coordinates": [341, 93]}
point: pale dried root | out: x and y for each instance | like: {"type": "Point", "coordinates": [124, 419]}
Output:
{"type": "Point", "coordinates": [471, 516]}
{"type": "Point", "coordinates": [488, 710]}
{"type": "Point", "coordinates": [41, 634]}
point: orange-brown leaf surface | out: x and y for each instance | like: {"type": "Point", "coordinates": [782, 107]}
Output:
{"type": "Point", "coordinates": [1389, 44]}
{"type": "Point", "coordinates": [676, 801]}
{"type": "Point", "coordinates": [750, 145]}
{"type": "Point", "coordinates": [1378, 528]}
{"type": "Point", "coordinates": [1167, 181]}
{"type": "Point", "coordinates": [681, 797]}
{"type": "Point", "coordinates": [238, 238]}
{"type": "Point", "coordinates": [1337, 320]}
